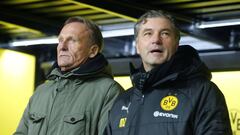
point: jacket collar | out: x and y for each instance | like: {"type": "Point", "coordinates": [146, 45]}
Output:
{"type": "Point", "coordinates": [93, 66]}
{"type": "Point", "coordinates": [184, 65]}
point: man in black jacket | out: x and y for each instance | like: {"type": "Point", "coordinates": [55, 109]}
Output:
{"type": "Point", "coordinates": [172, 93]}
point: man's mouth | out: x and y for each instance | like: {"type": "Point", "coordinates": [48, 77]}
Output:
{"type": "Point", "coordinates": [156, 51]}
{"type": "Point", "coordinates": [63, 55]}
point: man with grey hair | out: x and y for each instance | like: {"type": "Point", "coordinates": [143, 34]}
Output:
{"type": "Point", "coordinates": [172, 93]}
{"type": "Point", "coordinates": [80, 89]}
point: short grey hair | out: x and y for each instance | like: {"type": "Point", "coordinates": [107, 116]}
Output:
{"type": "Point", "coordinates": [95, 36]}
{"type": "Point", "coordinates": [155, 14]}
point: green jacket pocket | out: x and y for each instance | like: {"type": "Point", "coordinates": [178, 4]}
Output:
{"type": "Point", "coordinates": [74, 124]}
{"type": "Point", "coordinates": [35, 123]}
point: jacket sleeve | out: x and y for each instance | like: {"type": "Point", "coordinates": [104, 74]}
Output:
{"type": "Point", "coordinates": [22, 128]}
{"type": "Point", "coordinates": [212, 116]}
{"type": "Point", "coordinates": [112, 94]}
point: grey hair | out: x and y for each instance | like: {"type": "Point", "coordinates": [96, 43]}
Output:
{"type": "Point", "coordinates": [155, 14]}
{"type": "Point", "coordinates": [95, 36]}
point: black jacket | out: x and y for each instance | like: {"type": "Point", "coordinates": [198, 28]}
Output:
{"type": "Point", "coordinates": [175, 98]}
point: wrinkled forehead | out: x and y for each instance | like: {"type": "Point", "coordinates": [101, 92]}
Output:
{"type": "Point", "coordinates": [75, 28]}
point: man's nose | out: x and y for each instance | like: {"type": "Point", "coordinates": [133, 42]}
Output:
{"type": "Point", "coordinates": [156, 39]}
{"type": "Point", "coordinates": [62, 45]}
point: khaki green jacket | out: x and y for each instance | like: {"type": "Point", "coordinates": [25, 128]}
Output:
{"type": "Point", "coordinates": [70, 104]}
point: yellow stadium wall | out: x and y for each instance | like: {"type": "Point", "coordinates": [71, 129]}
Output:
{"type": "Point", "coordinates": [17, 72]}
{"type": "Point", "coordinates": [228, 82]}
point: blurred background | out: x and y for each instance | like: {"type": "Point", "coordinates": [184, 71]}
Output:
{"type": "Point", "coordinates": [28, 41]}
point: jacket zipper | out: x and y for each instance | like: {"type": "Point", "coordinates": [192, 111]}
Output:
{"type": "Point", "coordinates": [142, 99]}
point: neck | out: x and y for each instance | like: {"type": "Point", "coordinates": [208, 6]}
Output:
{"type": "Point", "coordinates": [64, 69]}
{"type": "Point", "coordinates": [148, 67]}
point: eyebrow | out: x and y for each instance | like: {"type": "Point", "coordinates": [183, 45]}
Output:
{"type": "Point", "coordinates": [150, 29]}
{"type": "Point", "coordinates": [147, 29]}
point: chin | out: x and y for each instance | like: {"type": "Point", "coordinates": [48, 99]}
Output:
{"type": "Point", "coordinates": [159, 62]}
{"type": "Point", "coordinates": [63, 64]}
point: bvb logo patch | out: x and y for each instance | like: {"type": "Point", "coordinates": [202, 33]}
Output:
{"type": "Point", "coordinates": [169, 103]}
{"type": "Point", "coordinates": [122, 122]}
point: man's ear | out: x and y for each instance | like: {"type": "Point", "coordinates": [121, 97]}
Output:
{"type": "Point", "coordinates": [94, 49]}
{"type": "Point", "coordinates": [136, 43]}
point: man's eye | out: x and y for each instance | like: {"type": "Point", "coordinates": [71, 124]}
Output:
{"type": "Point", "coordinates": [72, 40]}
{"type": "Point", "coordinates": [147, 33]}
{"type": "Point", "coordinates": [165, 34]}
